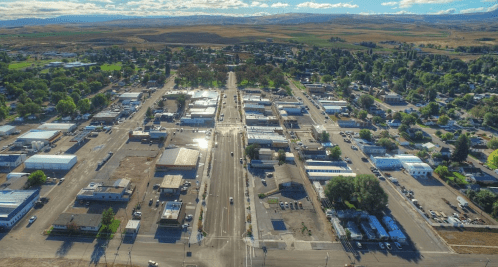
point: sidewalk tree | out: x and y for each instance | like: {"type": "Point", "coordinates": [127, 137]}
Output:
{"type": "Point", "coordinates": [37, 178]}
{"type": "Point", "coordinates": [365, 134]}
{"type": "Point", "coordinates": [281, 155]}
{"type": "Point", "coordinates": [107, 218]}
{"type": "Point", "coordinates": [339, 189]}
{"type": "Point", "coordinates": [252, 151]}
{"type": "Point", "coordinates": [369, 194]}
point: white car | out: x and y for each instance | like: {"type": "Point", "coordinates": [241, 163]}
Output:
{"type": "Point", "coordinates": [32, 219]}
{"type": "Point", "coordinates": [231, 200]}
{"type": "Point", "coordinates": [381, 245]}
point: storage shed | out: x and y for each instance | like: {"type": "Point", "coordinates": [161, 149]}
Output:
{"type": "Point", "coordinates": [7, 129]}
{"type": "Point", "coordinates": [51, 162]}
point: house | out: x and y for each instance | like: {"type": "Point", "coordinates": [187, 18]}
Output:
{"type": "Point", "coordinates": [475, 141]}
{"type": "Point", "coordinates": [391, 98]}
{"type": "Point", "coordinates": [78, 222]}
{"type": "Point", "coordinates": [118, 190]}
{"type": "Point", "coordinates": [445, 152]}
{"type": "Point", "coordinates": [430, 122]}
{"type": "Point", "coordinates": [393, 123]}
{"type": "Point", "coordinates": [476, 175]}
{"type": "Point", "coordinates": [429, 146]}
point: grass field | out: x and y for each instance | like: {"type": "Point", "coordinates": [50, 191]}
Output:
{"type": "Point", "coordinates": [111, 67]}
{"type": "Point", "coordinates": [28, 63]}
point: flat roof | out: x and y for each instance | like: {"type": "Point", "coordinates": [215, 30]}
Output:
{"type": "Point", "coordinates": [12, 199]}
{"type": "Point", "coordinates": [132, 224]}
{"type": "Point", "coordinates": [5, 128]}
{"type": "Point", "coordinates": [179, 156]}
{"type": "Point", "coordinates": [38, 134]}
{"type": "Point", "coordinates": [56, 126]}
{"type": "Point", "coordinates": [51, 159]}
{"type": "Point", "coordinates": [418, 166]}
{"type": "Point", "coordinates": [331, 174]}
{"type": "Point", "coordinates": [171, 181]}
{"type": "Point", "coordinates": [131, 95]}
{"type": "Point", "coordinates": [171, 210]}
{"type": "Point", "coordinates": [327, 168]}
{"type": "Point", "coordinates": [9, 157]}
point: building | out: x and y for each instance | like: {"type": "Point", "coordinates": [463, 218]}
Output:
{"type": "Point", "coordinates": [118, 190]}
{"type": "Point", "coordinates": [171, 184]}
{"type": "Point", "coordinates": [158, 134]}
{"type": "Point", "coordinates": [266, 154]}
{"type": "Point", "coordinates": [418, 169]}
{"type": "Point", "coordinates": [333, 109]}
{"type": "Point", "coordinates": [178, 159]}
{"type": "Point", "coordinates": [137, 96]}
{"type": "Point", "coordinates": [260, 119]}
{"type": "Point", "coordinates": [386, 163]}
{"type": "Point", "coordinates": [132, 228]}
{"type": "Point", "coordinates": [172, 215]}
{"type": "Point", "coordinates": [263, 164]}
{"type": "Point", "coordinates": [445, 152]}
{"type": "Point", "coordinates": [152, 83]}
{"type": "Point", "coordinates": [379, 230]}
{"type": "Point", "coordinates": [317, 130]}
{"type": "Point", "coordinates": [14, 204]}
{"type": "Point", "coordinates": [7, 130]}
{"type": "Point", "coordinates": [391, 98]}
{"type": "Point", "coordinates": [78, 222]}
{"type": "Point", "coordinates": [293, 109]}
{"type": "Point", "coordinates": [254, 108]}
{"type": "Point", "coordinates": [287, 177]}
{"type": "Point", "coordinates": [354, 123]}
{"type": "Point", "coordinates": [51, 162]}
{"type": "Point", "coordinates": [316, 88]}
{"type": "Point", "coordinates": [353, 229]}
{"type": "Point", "coordinates": [320, 191]}
{"type": "Point", "coordinates": [393, 123]}
{"type": "Point", "coordinates": [394, 232]}
{"type": "Point", "coordinates": [368, 147]}
{"type": "Point", "coordinates": [107, 116]}
{"type": "Point", "coordinates": [326, 176]}
{"type": "Point", "coordinates": [476, 175]}
{"type": "Point", "coordinates": [12, 160]}
{"type": "Point", "coordinates": [47, 137]}
{"type": "Point", "coordinates": [63, 127]}
{"type": "Point", "coordinates": [329, 169]}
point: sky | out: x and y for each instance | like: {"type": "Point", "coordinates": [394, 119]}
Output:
{"type": "Point", "coordinates": [14, 9]}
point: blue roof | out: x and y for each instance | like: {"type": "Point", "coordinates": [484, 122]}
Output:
{"type": "Point", "coordinates": [328, 144]}
{"type": "Point", "coordinates": [9, 157]}
{"type": "Point", "coordinates": [375, 224]}
{"type": "Point", "coordinates": [253, 106]}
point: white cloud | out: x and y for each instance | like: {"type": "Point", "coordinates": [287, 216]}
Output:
{"type": "Point", "coordinates": [264, 5]}
{"type": "Point", "coordinates": [100, 1]}
{"type": "Point", "coordinates": [260, 14]}
{"type": "Point", "coordinates": [488, 1]}
{"type": "Point", "coordinates": [389, 3]}
{"type": "Point", "coordinates": [279, 4]}
{"type": "Point", "coordinates": [258, 4]}
{"type": "Point", "coordinates": [322, 6]}
{"type": "Point", "coordinates": [109, 6]}
{"type": "Point", "coordinates": [255, 3]}
{"type": "Point", "coordinates": [409, 3]}
{"type": "Point", "coordinates": [492, 8]}
{"type": "Point", "coordinates": [472, 10]}
{"type": "Point", "coordinates": [367, 14]}
{"type": "Point", "coordinates": [444, 12]}
{"type": "Point", "coordinates": [401, 12]}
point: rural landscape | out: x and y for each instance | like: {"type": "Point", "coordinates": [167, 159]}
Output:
{"type": "Point", "coordinates": [281, 140]}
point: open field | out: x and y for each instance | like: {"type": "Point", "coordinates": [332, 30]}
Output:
{"type": "Point", "coordinates": [469, 242]}
{"type": "Point", "coordinates": [73, 38]}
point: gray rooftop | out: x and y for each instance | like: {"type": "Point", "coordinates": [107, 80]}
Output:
{"type": "Point", "coordinates": [89, 220]}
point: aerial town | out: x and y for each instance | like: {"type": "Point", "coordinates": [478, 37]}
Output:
{"type": "Point", "coordinates": [235, 155]}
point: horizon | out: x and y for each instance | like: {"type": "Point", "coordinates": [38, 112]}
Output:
{"type": "Point", "coordinates": [36, 9]}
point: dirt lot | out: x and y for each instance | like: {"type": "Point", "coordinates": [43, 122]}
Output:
{"type": "Point", "coordinates": [299, 226]}
{"type": "Point", "coordinates": [468, 241]}
{"type": "Point", "coordinates": [475, 250]}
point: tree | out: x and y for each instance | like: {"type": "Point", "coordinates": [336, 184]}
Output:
{"type": "Point", "coordinates": [493, 143]}
{"type": "Point", "coordinates": [180, 100]}
{"type": "Point", "coordinates": [335, 153]}
{"type": "Point", "coordinates": [327, 78]}
{"type": "Point", "coordinates": [384, 134]}
{"type": "Point", "coordinates": [422, 154]}
{"type": "Point", "coordinates": [362, 114]}
{"type": "Point", "coordinates": [252, 151]}
{"type": "Point", "coordinates": [387, 143]}
{"type": "Point", "coordinates": [462, 147]}
{"type": "Point", "coordinates": [148, 113]}
{"type": "Point", "coordinates": [37, 178]}
{"type": "Point", "coordinates": [281, 155]}
{"type": "Point", "coordinates": [324, 136]}
{"type": "Point", "coordinates": [66, 106]}
{"type": "Point", "coordinates": [366, 101]}
{"type": "Point", "coordinates": [339, 189]}
{"type": "Point", "coordinates": [485, 199]}
{"type": "Point", "coordinates": [443, 120]}
{"type": "Point", "coordinates": [107, 218]}
{"type": "Point", "coordinates": [377, 120]}
{"type": "Point", "coordinates": [160, 104]}
{"type": "Point", "coordinates": [442, 171]}
{"type": "Point", "coordinates": [369, 194]}
{"type": "Point", "coordinates": [365, 134]}
{"type": "Point", "coordinates": [95, 86]}
{"type": "Point", "coordinates": [84, 105]}
{"type": "Point", "coordinates": [99, 100]}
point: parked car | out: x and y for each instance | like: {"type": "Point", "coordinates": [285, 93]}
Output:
{"type": "Point", "coordinates": [32, 219]}
{"type": "Point", "coordinates": [358, 244]}
{"type": "Point", "coordinates": [231, 200]}
{"type": "Point", "coordinates": [151, 201]}
{"type": "Point", "coordinates": [388, 246]}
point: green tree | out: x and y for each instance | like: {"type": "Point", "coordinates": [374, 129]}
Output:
{"type": "Point", "coordinates": [148, 113]}
{"type": "Point", "coordinates": [462, 147]}
{"type": "Point", "coordinates": [327, 78]}
{"type": "Point", "coordinates": [384, 134]}
{"type": "Point", "coordinates": [160, 104]}
{"type": "Point", "coordinates": [335, 153]}
{"type": "Point", "coordinates": [369, 194]}
{"type": "Point", "coordinates": [252, 151]}
{"type": "Point", "coordinates": [84, 105]}
{"type": "Point", "coordinates": [95, 86]}
{"type": "Point", "coordinates": [339, 189]}
{"type": "Point", "coordinates": [107, 218]}
{"type": "Point", "coordinates": [99, 100]}
{"type": "Point", "coordinates": [442, 171]}
{"type": "Point", "coordinates": [362, 114]}
{"type": "Point", "coordinates": [377, 120]}
{"type": "Point", "coordinates": [366, 101]}
{"type": "Point", "coordinates": [66, 106]}
{"type": "Point", "coordinates": [443, 120]}
{"type": "Point", "coordinates": [37, 178]}
{"type": "Point", "coordinates": [324, 136]}
{"type": "Point", "coordinates": [387, 143]}
{"type": "Point", "coordinates": [485, 199]}
{"type": "Point", "coordinates": [281, 155]}
{"type": "Point", "coordinates": [366, 134]}
{"type": "Point", "coordinates": [493, 143]}
{"type": "Point", "coordinates": [180, 100]}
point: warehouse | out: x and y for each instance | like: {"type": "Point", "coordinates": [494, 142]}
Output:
{"type": "Point", "coordinates": [171, 184]}
{"type": "Point", "coordinates": [14, 204]}
{"type": "Point", "coordinates": [12, 160]}
{"type": "Point", "coordinates": [47, 137]}
{"type": "Point", "coordinates": [386, 163]}
{"type": "Point", "coordinates": [418, 169]}
{"type": "Point", "coordinates": [326, 176]}
{"type": "Point", "coordinates": [408, 158]}
{"type": "Point", "coordinates": [328, 169]}
{"type": "Point", "coordinates": [63, 127]}
{"type": "Point", "coordinates": [178, 159]}
{"type": "Point", "coordinates": [333, 109]}
{"type": "Point", "coordinates": [7, 130]}
{"type": "Point", "coordinates": [106, 116]}
{"type": "Point", "coordinates": [130, 96]}
{"type": "Point", "coordinates": [51, 162]}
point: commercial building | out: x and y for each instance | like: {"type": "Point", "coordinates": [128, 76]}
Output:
{"type": "Point", "coordinates": [391, 98]}
{"type": "Point", "coordinates": [333, 109]}
{"type": "Point", "coordinates": [326, 176]}
{"type": "Point", "coordinates": [316, 88]}
{"type": "Point", "coordinates": [260, 119]}
{"type": "Point", "coordinates": [172, 215]}
{"type": "Point", "coordinates": [7, 130]}
{"type": "Point", "coordinates": [287, 177]}
{"type": "Point", "coordinates": [63, 127]}
{"type": "Point", "coordinates": [377, 228]}
{"type": "Point", "coordinates": [418, 169]}
{"type": "Point", "coordinates": [317, 130]}
{"type": "Point", "coordinates": [107, 116]}
{"type": "Point", "coordinates": [118, 190]}
{"type": "Point", "coordinates": [319, 191]}
{"type": "Point", "coordinates": [12, 160]}
{"type": "Point", "coordinates": [266, 136]}
{"type": "Point", "coordinates": [47, 137]}
{"type": "Point", "coordinates": [132, 228]}
{"type": "Point", "coordinates": [328, 169]}
{"type": "Point", "coordinates": [158, 134]}
{"type": "Point", "coordinates": [368, 147]}
{"type": "Point", "coordinates": [263, 164]}
{"type": "Point", "coordinates": [296, 109]}
{"type": "Point", "coordinates": [353, 229]}
{"type": "Point", "coordinates": [51, 162]}
{"type": "Point", "coordinates": [78, 222]}
{"type": "Point", "coordinates": [171, 184]}
{"type": "Point", "coordinates": [354, 123]}
{"type": "Point", "coordinates": [254, 108]}
{"type": "Point", "coordinates": [14, 204]}
{"type": "Point", "coordinates": [266, 154]}
{"type": "Point", "coordinates": [130, 96]}
{"type": "Point", "coordinates": [178, 159]}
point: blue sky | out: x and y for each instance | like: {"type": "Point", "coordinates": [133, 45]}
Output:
{"type": "Point", "coordinates": [13, 9]}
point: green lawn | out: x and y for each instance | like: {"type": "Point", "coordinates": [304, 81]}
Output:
{"type": "Point", "coordinates": [109, 234]}
{"type": "Point", "coordinates": [24, 64]}
{"type": "Point", "coordinates": [111, 67]}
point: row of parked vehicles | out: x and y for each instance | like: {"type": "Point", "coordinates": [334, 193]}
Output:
{"type": "Point", "coordinates": [382, 245]}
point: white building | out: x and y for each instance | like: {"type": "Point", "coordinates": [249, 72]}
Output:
{"type": "Point", "coordinates": [418, 169]}
{"type": "Point", "coordinates": [326, 176]}
{"type": "Point", "coordinates": [51, 162]}
{"type": "Point", "coordinates": [12, 160]}
{"type": "Point", "coordinates": [63, 127]}
{"type": "Point", "coordinates": [7, 129]}
{"type": "Point", "coordinates": [14, 204]}
{"type": "Point", "coordinates": [46, 137]}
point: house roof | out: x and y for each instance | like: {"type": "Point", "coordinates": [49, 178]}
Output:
{"type": "Point", "coordinates": [444, 150]}
{"type": "Point", "coordinates": [87, 220]}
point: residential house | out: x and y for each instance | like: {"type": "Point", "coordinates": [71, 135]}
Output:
{"type": "Point", "coordinates": [78, 222]}
{"type": "Point", "coordinates": [445, 152]}
{"type": "Point", "coordinates": [476, 175]}
{"type": "Point", "coordinates": [393, 123]}
{"type": "Point", "coordinates": [391, 98]}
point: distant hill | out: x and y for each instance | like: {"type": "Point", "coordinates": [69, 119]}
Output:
{"type": "Point", "coordinates": [281, 19]}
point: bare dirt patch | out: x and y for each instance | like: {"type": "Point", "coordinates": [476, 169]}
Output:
{"type": "Point", "coordinates": [305, 226]}
{"type": "Point", "coordinates": [475, 250]}
{"type": "Point", "coordinates": [470, 238]}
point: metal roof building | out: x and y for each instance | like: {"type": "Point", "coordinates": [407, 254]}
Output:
{"type": "Point", "coordinates": [130, 96]}
{"type": "Point", "coordinates": [353, 229]}
{"type": "Point", "coordinates": [37, 135]}
{"type": "Point", "coordinates": [51, 162]}
{"type": "Point", "coordinates": [171, 184]}
{"type": "Point", "coordinates": [84, 222]}
{"type": "Point", "coordinates": [325, 176]}
{"type": "Point", "coordinates": [12, 160]}
{"type": "Point", "coordinates": [14, 204]}
{"type": "Point", "coordinates": [63, 127]}
{"type": "Point", "coordinates": [418, 169]}
{"type": "Point", "coordinates": [377, 227]}
{"type": "Point", "coordinates": [7, 129]}
{"type": "Point", "coordinates": [331, 169]}
{"type": "Point", "coordinates": [178, 159]}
